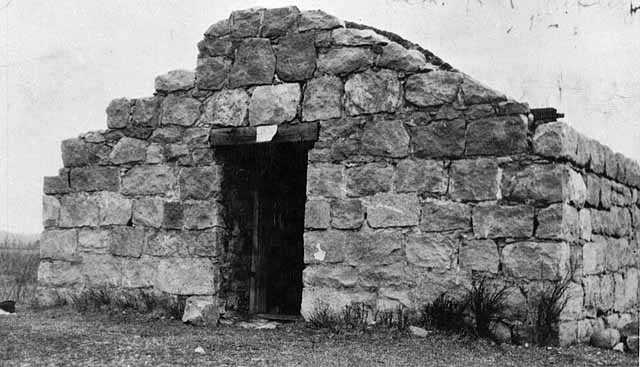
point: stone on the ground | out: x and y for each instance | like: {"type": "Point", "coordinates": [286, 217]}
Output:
{"type": "Point", "coordinates": [619, 347]}
{"type": "Point", "coordinates": [500, 332]}
{"type": "Point", "coordinates": [605, 338]}
{"type": "Point", "coordinates": [201, 311]}
{"type": "Point", "coordinates": [199, 350]}
{"type": "Point", "coordinates": [418, 331]}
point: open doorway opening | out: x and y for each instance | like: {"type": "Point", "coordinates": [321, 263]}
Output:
{"type": "Point", "coordinates": [272, 180]}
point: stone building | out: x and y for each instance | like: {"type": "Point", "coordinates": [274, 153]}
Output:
{"type": "Point", "coordinates": [311, 160]}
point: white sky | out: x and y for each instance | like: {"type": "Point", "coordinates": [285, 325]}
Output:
{"type": "Point", "coordinates": [62, 62]}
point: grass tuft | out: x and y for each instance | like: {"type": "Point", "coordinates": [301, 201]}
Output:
{"type": "Point", "coordinates": [113, 300]}
{"type": "Point", "coordinates": [445, 313]}
{"type": "Point", "coordinates": [487, 306]}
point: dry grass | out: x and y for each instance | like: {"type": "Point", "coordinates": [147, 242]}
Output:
{"type": "Point", "coordinates": [18, 270]}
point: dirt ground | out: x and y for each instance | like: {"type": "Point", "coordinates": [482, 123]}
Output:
{"type": "Point", "coordinates": [63, 337]}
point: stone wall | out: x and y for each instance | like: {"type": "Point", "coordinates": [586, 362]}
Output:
{"type": "Point", "coordinates": [421, 180]}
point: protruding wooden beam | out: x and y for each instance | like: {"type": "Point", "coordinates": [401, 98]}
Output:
{"type": "Point", "coordinates": [248, 135]}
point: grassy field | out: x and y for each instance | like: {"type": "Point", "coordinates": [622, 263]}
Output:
{"type": "Point", "coordinates": [63, 337]}
{"type": "Point", "coordinates": [19, 258]}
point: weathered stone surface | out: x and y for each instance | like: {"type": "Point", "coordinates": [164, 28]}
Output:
{"type": "Point", "coordinates": [558, 221]}
{"type": "Point", "coordinates": [556, 140]}
{"type": "Point", "coordinates": [369, 179]}
{"type": "Point", "coordinates": [325, 246]}
{"type": "Point", "coordinates": [187, 276]}
{"type": "Point", "coordinates": [229, 107]}
{"type": "Point", "coordinates": [128, 150]}
{"type": "Point", "coordinates": [386, 138]}
{"type": "Point", "coordinates": [479, 255]}
{"type": "Point", "coordinates": [497, 136]}
{"type": "Point", "coordinates": [474, 179]}
{"type": "Point", "coordinates": [50, 211]}
{"type": "Point", "coordinates": [76, 153]}
{"type": "Point", "coordinates": [255, 63]}
{"type": "Point", "coordinates": [146, 111]}
{"type": "Point", "coordinates": [180, 110]}
{"type": "Point", "coordinates": [438, 139]}
{"type": "Point", "coordinates": [78, 210]}
{"type": "Point", "coordinates": [59, 244]}
{"type": "Point", "coordinates": [431, 284]}
{"type": "Point", "coordinates": [536, 260]}
{"type": "Point", "coordinates": [200, 182]}
{"type": "Point", "coordinates": [219, 29]}
{"type": "Point", "coordinates": [202, 214]}
{"type": "Point", "coordinates": [296, 57]}
{"type": "Point", "coordinates": [138, 272]}
{"type": "Point", "coordinates": [335, 299]}
{"type": "Point", "coordinates": [101, 270]}
{"type": "Point", "coordinates": [479, 111]}
{"type": "Point", "coordinates": [374, 248]}
{"type": "Point", "coordinates": [432, 250]}
{"type": "Point", "coordinates": [166, 134]}
{"type": "Point", "coordinates": [246, 22]}
{"type": "Point", "coordinates": [317, 214]}
{"type": "Point", "coordinates": [372, 92]}
{"type": "Point", "coordinates": [201, 311]}
{"type": "Point", "coordinates": [392, 210]}
{"type": "Point", "coordinates": [357, 37]}
{"type": "Point", "coordinates": [95, 241]}
{"type": "Point", "coordinates": [184, 243]}
{"type": "Point", "coordinates": [593, 189]}
{"type": "Point", "coordinates": [118, 113]}
{"type": "Point", "coordinates": [325, 180]}
{"type": "Point", "coordinates": [56, 185]}
{"type": "Point", "coordinates": [126, 241]}
{"type": "Point", "coordinates": [322, 98]}
{"type": "Point", "coordinates": [421, 176]}
{"type": "Point", "coordinates": [432, 89]}
{"type": "Point", "coordinates": [618, 254]}
{"type": "Point", "coordinates": [344, 60]}
{"type": "Point", "coordinates": [212, 72]}
{"type": "Point", "coordinates": [147, 180]}
{"type": "Point", "coordinates": [173, 215]}
{"type": "Point", "coordinates": [474, 92]}
{"type": "Point", "coordinates": [631, 290]}
{"type": "Point", "coordinates": [175, 80]}
{"type": "Point", "coordinates": [438, 215]}
{"type": "Point", "coordinates": [274, 104]}
{"type": "Point", "coordinates": [396, 57]}
{"type": "Point", "coordinates": [114, 208]}
{"type": "Point", "coordinates": [605, 338]}
{"type": "Point", "coordinates": [347, 214]}
{"type": "Point", "coordinates": [495, 221]}
{"type": "Point", "coordinates": [215, 47]}
{"type": "Point", "coordinates": [593, 256]}
{"type": "Point", "coordinates": [574, 304]}
{"type": "Point", "coordinates": [544, 184]}
{"type": "Point", "coordinates": [317, 19]}
{"type": "Point", "coordinates": [277, 21]}
{"type": "Point", "coordinates": [58, 273]}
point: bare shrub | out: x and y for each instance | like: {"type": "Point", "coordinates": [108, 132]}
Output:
{"type": "Point", "coordinates": [18, 270]}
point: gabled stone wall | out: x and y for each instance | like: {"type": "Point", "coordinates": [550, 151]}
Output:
{"type": "Point", "coordinates": [421, 180]}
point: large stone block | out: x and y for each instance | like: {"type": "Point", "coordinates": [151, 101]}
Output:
{"type": "Point", "coordinates": [184, 243]}
{"type": "Point", "coordinates": [536, 260]}
{"type": "Point", "coordinates": [79, 210]}
{"type": "Point", "coordinates": [344, 60]}
{"type": "Point", "coordinates": [325, 180]}
{"type": "Point", "coordinates": [317, 214]}
{"type": "Point", "coordinates": [421, 176]}
{"type": "Point", "coordinates": [374, 248]}
{"type": "Point", "coordinates": [369, 179]}
{"type": "Point", "coordinates": [431, 284]}
{"type": "Point", "coordinates": [59, 244]}
{"type": "Point", "coordinates": [146, 111]}
{"type": "Point", "coordinates": [438, 139]}
{"type": "Point", "coordinates": [432, 250]}
{"type": "Point", "coordinates": [357, 37]}
{"type": "Point", "coordinates": [475, 92]}
{"type": "Point", "coordinates": [128, 150]}
{"type": "Point", "coordinates": [166, 134]}
{"type": "Point", "coordinates": [479, 255]}
{"type": "Point", "coordinates": [246, 22]}
{"type": "Point", "coordinates": [255, 63]}
{"type": "Point", "coordinates": [175, 80]}
{"type": "Point", "coordinates": [52, 185]}
{"type": "Point", "coordinates": [474, 179]}
{"type": "Point", "coordinates": [229, 107]}
{"type": "Point", "coordinates": [396, 57]}
{"type": "Point", "coordinates": [432, 89]}
{"type": "Point", "coordinates": [201, 311]}
{"type": "Point", "coordinates": [180, 110]}
{"type": "Point", "coordinates": [396, 275]}
{"type": "Point", "coordinates": [95, 178]}
{"type": "Point", "coordinates": [126, 241]}
{"type": "Point", "coordinates": [544, 184]}
{"type": "Point", "coordinates": [203, 214]}
{"type": "Point", "coordinates": [212, 72]}
{"type": "Point", "coordinates": [274, 104]}
{"type": "Point", "coordinates": [593, 256]}
{"type": "Point", "coordinates": [558, 221]}
{"type": "Point", "coordinates": [148, 180]}
{"type": "Point", "coordinates": [440, 216]}
{"type": "Point", "coordinates": [593, 185]}
{"type": "Point", "coordinates": [386, 138]}
{"type": "Point", "coordinates": [101, 270]}
{"type": "Point", "coordinates": [96, 241]}
{"type": "Point", "coordinates": [187, 276]}
{"type": "Point", "coordinates": [631, 290]}
{"type": "Point", "coordinates": [392, 210]}
{"type": "Point", "coordinates": [118, 113]}
{"type": "Point", "coordinates": [322, 98]}
{"type": "Point", "coordinates": [200, 182]}
{"type": "Point", "coordinates": [333, 276]}
{"type": "Point", "coordinates": [278, 21]}
{"type": "Point", "coordinates": [573, 308]}
{"type": "Point", "coordinates": [321, 247]}
{"type": "Point", "coordinates": [219, 29]}
{"type": "Point", "coordinates": [76, 153]}
{"type": "Point", "coordinates": [556, 140]}
{"type": "Point", "coordinates": [496, 221]}
{"type": "Point", "coordinates": [618, 254]}
{"type": "Point", "coordinates": [372, 92]}
{"type": "Point", "coordinates": [497, 136]}
{"type": "Point", "coordinates": [50, 211]}
{"type": "Point", "coordinates": [59, 273]}
{"type": "Point", "coordinates": [114, 208]}
{"type": "Point", "coordinates": [317, 19]}
{"type": "Point", "coordinates": [314, 299]}
{"type": "Point", "coordinates": [139, 273]}
{"type": "Point", "coordinates": [347, 214]}
{"type": "Point", "coordinates": [296, 57]}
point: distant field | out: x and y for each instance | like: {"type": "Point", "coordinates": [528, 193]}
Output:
{"type": "Point", "coordinates": [19, 260]}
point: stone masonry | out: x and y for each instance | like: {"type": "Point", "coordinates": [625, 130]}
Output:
{"type": "Point", "coordinates": [420, 181]}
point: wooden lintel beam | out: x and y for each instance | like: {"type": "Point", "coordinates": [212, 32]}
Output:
{"type": "Point", "coordinates": [247, 135]}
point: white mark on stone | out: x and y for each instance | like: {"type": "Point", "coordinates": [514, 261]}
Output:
{"type": "Point", "coordinates": [265, 133]}
{"type": "Point", "coordinates": [320, 254]}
